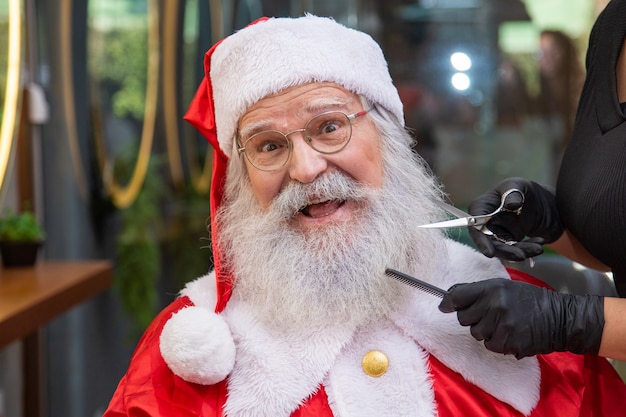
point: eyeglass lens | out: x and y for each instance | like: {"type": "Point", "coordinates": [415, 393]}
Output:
{"type": "Point", "coordinates": [326, 133]}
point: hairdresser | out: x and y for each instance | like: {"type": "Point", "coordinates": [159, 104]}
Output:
{"type": "Point", "coordinates": [584, 218]}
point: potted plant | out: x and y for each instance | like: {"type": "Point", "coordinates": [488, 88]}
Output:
{"type": "Point", "coordinates": [21, 236]}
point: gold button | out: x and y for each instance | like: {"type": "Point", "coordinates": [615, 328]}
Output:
{"type": "Point", "coordinates": [375, 363]}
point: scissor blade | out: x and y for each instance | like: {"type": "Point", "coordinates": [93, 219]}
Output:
{"type": "Point", "coordinates": [452, 210]}
{"type": "Point", "coordinates": [463, 222]}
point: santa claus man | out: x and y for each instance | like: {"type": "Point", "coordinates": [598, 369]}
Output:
{"type": "Point", "coordinates": [315, 194]}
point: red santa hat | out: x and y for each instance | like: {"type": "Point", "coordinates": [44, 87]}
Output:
{"type": "Point", "coordinates": [266, 57]}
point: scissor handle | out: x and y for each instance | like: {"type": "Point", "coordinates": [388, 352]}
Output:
{"type": "Point", "coordinates": [480, 221]}
{"type": "Point", "coordinates": [503, 201]}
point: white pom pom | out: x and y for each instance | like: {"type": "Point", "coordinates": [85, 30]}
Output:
{"type": "Point", "coordinates": [197, 346]}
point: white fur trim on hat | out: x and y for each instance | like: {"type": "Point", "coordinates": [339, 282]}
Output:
{"type": "Point", "coordinates": [197, 345]}
{"type": "Point", "coordinates": [271, 55]}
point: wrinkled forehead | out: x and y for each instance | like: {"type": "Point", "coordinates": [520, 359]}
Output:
{"type": "Point", "coordinates": [298, 102]}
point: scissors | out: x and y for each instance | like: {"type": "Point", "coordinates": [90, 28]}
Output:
{"type": "Point", "coordinates": [479, 222]}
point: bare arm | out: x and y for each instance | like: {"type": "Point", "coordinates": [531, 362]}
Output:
{"type": "Point", "coordinates": [568, 246]}
{"type": "Point", "coordinates": [614, 335]}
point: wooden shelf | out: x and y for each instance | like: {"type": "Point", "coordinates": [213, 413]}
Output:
{"type": "Point", "coordinates": [32, 296]}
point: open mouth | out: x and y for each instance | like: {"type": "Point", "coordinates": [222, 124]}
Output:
{"type": "Point", "coordinates": [323, 208]}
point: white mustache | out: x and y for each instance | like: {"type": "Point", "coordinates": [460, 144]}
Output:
{"type": "Point", "coordinates": [332, 186]}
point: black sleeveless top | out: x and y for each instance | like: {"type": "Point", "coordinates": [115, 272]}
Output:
{"type": "Point", "coordinates": [591, 187]}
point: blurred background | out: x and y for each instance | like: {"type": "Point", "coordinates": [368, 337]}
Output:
{"type": "Point", "coordinates": [92, 94]}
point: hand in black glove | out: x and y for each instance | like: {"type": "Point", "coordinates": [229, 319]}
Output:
{"type": "Point", "coordinates": [539, 219]}
{"type": "Point", "coordinates": [522, 319]}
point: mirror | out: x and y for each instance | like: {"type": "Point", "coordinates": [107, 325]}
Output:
{"type": "Point", "coordinates": [11, 58]}
{"type": "Point", "coordinates": [123, 65]}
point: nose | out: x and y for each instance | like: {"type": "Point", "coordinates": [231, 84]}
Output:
{"type": "Point", "coordinates": [306, 163]}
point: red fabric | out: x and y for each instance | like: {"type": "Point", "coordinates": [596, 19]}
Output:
{"type": "Point", "coordinates": [593, 388]}
{"type": "Point", "coordinates": [518, 275]}
{"type": "Point", "coordinates": [149, 388]}
{"type": "Point", "coordinates": [201, 114]}
{"type": "Point", "coordinates": [571, 386]}
{"type": "Point", "coordinates": [315, 406]}
{"type": "Point", "coordinates": [222, 277]}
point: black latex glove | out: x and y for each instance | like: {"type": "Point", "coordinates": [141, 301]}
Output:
{"type": "Point", "coordinates": [523, 320]}
{"type": "Point", "coordinates": [539, 220]}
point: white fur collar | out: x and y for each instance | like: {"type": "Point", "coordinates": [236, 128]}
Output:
{"type": "Point", "coordinates": [276, 371]}
{"type": "Point", "coordinates": [284, 369]}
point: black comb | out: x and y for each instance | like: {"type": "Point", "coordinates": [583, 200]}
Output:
{"type": "Point", "coordinates": [417, 283]}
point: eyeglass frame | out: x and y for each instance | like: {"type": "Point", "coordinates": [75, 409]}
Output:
{"type": "Point", "coordinates": [241, 148]}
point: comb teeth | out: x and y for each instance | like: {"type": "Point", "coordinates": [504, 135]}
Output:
{"type": "Point", "coordinates": [416, 283]}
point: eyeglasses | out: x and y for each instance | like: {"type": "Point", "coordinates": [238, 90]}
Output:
{"type": "Point", "coordinates": [327, 133]}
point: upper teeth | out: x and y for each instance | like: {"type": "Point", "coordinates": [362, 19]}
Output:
{"type": "Point", "coordinates": [310, 203]}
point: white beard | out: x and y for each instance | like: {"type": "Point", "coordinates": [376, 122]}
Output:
{"type": "Point", "coordinates": [332, 275]}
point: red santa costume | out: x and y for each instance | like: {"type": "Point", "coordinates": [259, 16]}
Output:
{"type": "Point", "coordinates": [207, 354]}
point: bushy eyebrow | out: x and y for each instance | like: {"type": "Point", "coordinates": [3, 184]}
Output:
{"type": "Point", "coordinates": [312, 108]}
{"type": "Point", "coordinates": [252, 128]}
{"type": "Point", "coordinates": [322, 104]}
